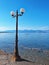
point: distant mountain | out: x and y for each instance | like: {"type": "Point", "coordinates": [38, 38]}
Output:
{"type": "Point", "coordinates": [34, 31]}
{"type": "Point", "coordinates": [8, 31]}
{"type": "Point", "coordinates": [26, 31]}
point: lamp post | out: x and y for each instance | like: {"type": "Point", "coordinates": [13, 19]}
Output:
{"type": "Point", "coordinates": [16, 53]}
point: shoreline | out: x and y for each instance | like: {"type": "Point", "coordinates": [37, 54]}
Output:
{"type": "Point", "coordinates": [21, 48]}
{"type": "Point", "coordinates": [36, 56]}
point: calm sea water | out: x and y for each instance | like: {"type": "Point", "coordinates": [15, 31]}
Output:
{"type": "Point", "coordinates": [30, 40]}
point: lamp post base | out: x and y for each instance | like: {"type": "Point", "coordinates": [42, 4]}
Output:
{"type": "Point", "coordinates": [15, 58]}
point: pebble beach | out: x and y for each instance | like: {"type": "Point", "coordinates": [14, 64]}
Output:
{"type": "Point", "coordinates": [34, 56]}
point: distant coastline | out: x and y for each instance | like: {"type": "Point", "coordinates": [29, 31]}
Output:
{"type": "Point", "coordinates": [25, 31]}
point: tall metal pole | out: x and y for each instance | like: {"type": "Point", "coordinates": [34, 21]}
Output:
{"type": "Point", "coordinates": [16, 53]}
{"type": "Point", "coordinates": [16, 42]}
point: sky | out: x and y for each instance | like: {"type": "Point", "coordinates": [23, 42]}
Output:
{"type": "Point", "coordinates": [35, 17]}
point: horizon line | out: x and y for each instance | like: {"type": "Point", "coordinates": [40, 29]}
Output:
{"type": "Point", "coordinates": [24, 29]}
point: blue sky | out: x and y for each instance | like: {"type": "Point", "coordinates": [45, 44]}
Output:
{"type": "Point", "coordinates": [36, 14]}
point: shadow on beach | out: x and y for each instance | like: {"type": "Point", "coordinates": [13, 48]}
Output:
{"type": "Point", "coordinates": [22, 59]}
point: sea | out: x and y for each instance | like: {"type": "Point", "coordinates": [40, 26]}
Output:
{"type": "Point", "coordinates": [28, 40]}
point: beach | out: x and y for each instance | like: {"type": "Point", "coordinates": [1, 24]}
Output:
{"type": "Point", "coordinates": [31, 56]}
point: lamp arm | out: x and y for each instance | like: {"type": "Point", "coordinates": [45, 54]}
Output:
{"type": "Point", "coordinates": [13, 16]}
{"type": "Point", "coordinates": [20, 14]}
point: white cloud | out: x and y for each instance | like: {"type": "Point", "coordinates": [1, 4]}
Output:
{"type": "Point", "coordinates": [35, 28]}
{"type": "Point", "coordinates": [44, 28]}
{"type": "Point", "coordinates": [26, 28]}
{"type": "Point", "coordinates": [3, 28]}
